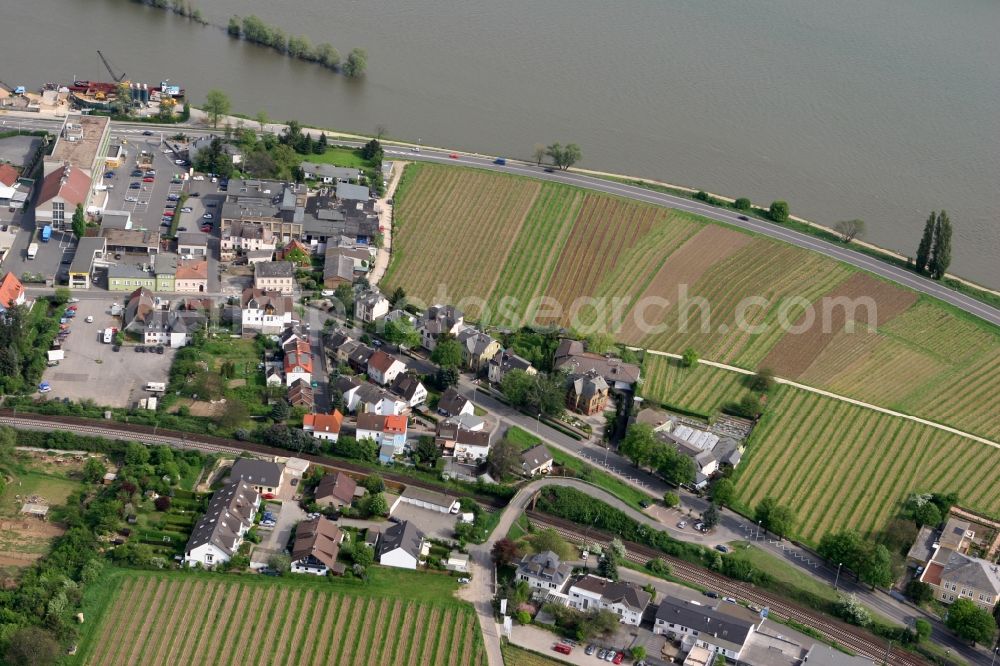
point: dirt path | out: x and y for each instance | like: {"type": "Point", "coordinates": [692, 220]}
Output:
{"type": "Point", "coordinates": [385, 223]}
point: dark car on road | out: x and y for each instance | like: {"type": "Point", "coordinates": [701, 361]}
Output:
{"type": "Point", "coordinates": [743, 217]}
{"type": "Point", "coordinates": [147, 133]}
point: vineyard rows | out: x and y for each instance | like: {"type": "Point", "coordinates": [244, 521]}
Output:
{"type": "Point", "coordinates": [167, 620]}
{"type": "Point", "coordinates": [846, 467]}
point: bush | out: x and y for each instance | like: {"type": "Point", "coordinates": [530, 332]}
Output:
{"type": "Point", "coordinates": [523, 617]}
{"type": "Point", "coordinates": [778, 212]}
{"type": "Point", "coordinates": [742, 204]}
{"type": "Point", "coordinates": [918, 592]}
{"type": "Point", "coordinates": [162, 503]}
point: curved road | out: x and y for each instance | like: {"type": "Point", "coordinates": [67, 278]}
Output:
{"type": "Point", "coordinates": [835, 251]}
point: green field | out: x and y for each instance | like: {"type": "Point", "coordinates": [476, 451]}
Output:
{"type": "Point", "coordinates": [512, 239]}
{"type": "Point", "coordinates": [842, 466]}
{"type": "Point", "coordinates": [183, 618]}
{"type": "Point", "coordinates": [342, 157]}
{"type": "Point", "coordinates": [702, 389]}
{"type": "Point", "coordinates": [53, 489]}
{"type": "Point", "coordinates": [515, 656]}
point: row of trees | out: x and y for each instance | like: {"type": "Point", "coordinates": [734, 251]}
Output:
{"type": "Point", "coordinates": [180, 7]}
{"type": "Point", "coordinates": [643, 448]}
{"type": "Point", "coordinates": [254, 30]}
{"type": "Point", "coordinates": [934, 251]}
{"type": "Point", "coordinates": [542, 393]}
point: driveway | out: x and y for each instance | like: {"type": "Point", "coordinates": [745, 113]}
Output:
{"type": "Point", "coordinates": [275, 540]}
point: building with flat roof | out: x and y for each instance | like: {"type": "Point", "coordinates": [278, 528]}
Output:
{"type": "Point", "coordinates": [88, 250]}
{"type": "Point", "coordinates": [82, 143]}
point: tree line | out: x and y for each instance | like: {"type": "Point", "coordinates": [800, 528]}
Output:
{"type": "Point", "coordinates": [180, 7]}
{"type": "Point", "coordinates": [934, 251]}
{"type": "Point", "coordinates": [254, 30]}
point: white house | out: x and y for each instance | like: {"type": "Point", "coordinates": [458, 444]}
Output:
{"type": "Point", "coordinates": [439, 320]}
{"type": "Point", "coordinates": [383, 368]}
{"type": "Point", "coordinates": [298, 363]}
{"type": "Point", "coordinates": [410, 389]}
{"type": "Point", "coordinates": [625, 600]}
{"type": "Point", "coordinates": [219, 532]}
{"type": "Point", "coordinates": [536, 460]}
{"type": "Point", "coordinates": [370, 305]}
{"type": "Point", "coordinates": [453, 403]}
{"type": "Point", "coordinates": [401, 546]}
{"type": "Point", "coordinates": [268, 312]}
{"type": "Point", "coordinates": [383, 430]}
{"type": "Point", "coordinates": [711, 629]}
{"type": "Point", "coordinates": [323, 426]}
{"type": "Point", "coordinates": [543, 572]}
{"type": "Point", "coordinates": [366, 398]}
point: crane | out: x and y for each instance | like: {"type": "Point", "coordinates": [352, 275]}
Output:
{"type": "Point", "coordinates": [118, 79]}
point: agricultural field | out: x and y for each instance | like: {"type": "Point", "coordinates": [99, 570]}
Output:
{"type": "Point", "coordinates": [515, 655]}
{"type": "Point", "coordinates": [843, 466]}
{"type": "Point", "coordinates": [701, 389]}
{"type": "Point", "coordinates": [498, 237]}
{"type": "Point", "coordinates": [183, 619]}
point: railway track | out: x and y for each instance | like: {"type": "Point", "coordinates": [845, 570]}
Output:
{"type": "Point", "coordinates": [207, 443]}
{"type": "Point", "coordinates": [853, 638]}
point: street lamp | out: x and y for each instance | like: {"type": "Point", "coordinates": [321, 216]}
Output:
{"type": "Point", "coordinates": [537, 420]}
{"type": "Point", "coordinates": [995, 650]}
{"type": "Point", "coordinates": [837, 579]}
{"type": "Point", "coordinates": [757, 538]}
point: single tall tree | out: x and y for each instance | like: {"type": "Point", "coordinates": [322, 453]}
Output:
{"type": "Point", "coordinates": [216, 106]}
{"type": "Point", "coordinates": [539, 153]}
{"type": "Point", "coordinates": [941, 253]}
{"type": "Point", "coordinates": [926, 243]}
{"type": "Point", "coordinates": [79, 222]}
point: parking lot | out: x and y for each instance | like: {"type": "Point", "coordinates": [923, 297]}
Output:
{"type": "Point", "coordinates": [434, 524]}
{"type": "Point", "coordinates": [93, 370]}
{"type": "Point", "coordinates": [145, 201]}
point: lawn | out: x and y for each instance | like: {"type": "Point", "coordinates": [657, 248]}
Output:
{"type": "Point", "coordinates": [53, 489]}
{"type": "Point", "coordinates": [787, 577]}
{"type": "Point", "coordinates": [194, 617]}
{"type": "Point", "coordinates": [340, 156]}
{"type": "Point", "coordinates": [512, 239]}
{"type": "Point", "coordinates": [581, 470]}
{"type": "Point", "coordinates": [516, 656]}
{"type": "Point", "coordinates": [843, 466]}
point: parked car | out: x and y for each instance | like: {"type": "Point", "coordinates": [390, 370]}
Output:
{"type": "Point", "coordinates": [148, 179]}
{"type": "Point", "coordinates": [109, 174]}
{"type": "Point", "coordinates": [618, 658]}
{"type": "Point", "coordinates": [729, 600]}
{"type": "Point", "coordinates": [159, 349]}
{"type": "Point", "coordinates": [463, 581]}
{"type": "Point", "coordinates": [137, 173]}
{"type": "Point", "coordinates": [562, 648]}
{"type": "Point", "coordinates": [645, 504]}
{"type": "Point", "coordinates": [710, 594]}
{"type": "Point", "coordinates": [131, 198]}
{"type": "Point", "coordinates": [44, 387]}
{"type": "Point", "coordinates": [722, 548]}
{"type": "Point", "coordinates": [682, 524]}
{"type": "Point", "coordinates": [90, 319]}
{"type": "Point", "coordinates": [187, 209]}
{"type": "Point", "coordinates": [206, 216]}
{"type": "Point", "coordinates": [196, 194]}
{"type": "Point", "coordinates": [139, 348]}
{"type": "Point", "coordinates": [150, 172]}
{"type": "Point", "coordinates": [182, 228]}
{"type": "Point", "coordinates": [134, 186]}
{"type": "Point", "coordinates": [590, 649]}
{"type": "Point", "coordinates": [602, 654]}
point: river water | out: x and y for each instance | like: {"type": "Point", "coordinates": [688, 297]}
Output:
{"type": "Point", "coordinates": [878, 109]}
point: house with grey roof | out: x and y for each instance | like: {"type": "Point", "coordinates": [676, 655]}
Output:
{"type": "Point", "coordinates": [402, 546]}
{"type": "Point", "coordinates": [262, 475]}
{"type": "Point", "coordinates": [218, 534]}
{"type": "Point", "coordinates": [709, 628]}
{"type": "Point", "coordinates": [954, 574]}
{"type": "Point", "coordinates": [571, 357]}
{"type": "Point", "coordinates": [369, 305]}
{"type": "Point", "coordinates": [506, 361]}
{"type": "Point", "coordinates": [192, 244]}
{"type": "Point", "coordinates": [274, 276]}
{"type": "Point", "coordinates": [625, 600]}
{"type": "Point", "coordinates": [437, 321]}
{"type": "Point", "coordinates": [174, 328]}
{"type": "Point", "coordinates": [824, 655]}
{"type": "Point", "coordinates": [426, 499]}
{"type": "Point", "coordinates": [587, 393]}
{"type": "Point", "coordinates": [408, 387]}
{"type": "Point", "coordinates": [453, 403]}
{"type": "Point", "coordinates": [327, 173]}
{"type": "Point", "coordinates": [544, 573]}
{"type": "Point", "coordinates": [536, 460]}
{"type": "Point", "coordinates": [478, 348]}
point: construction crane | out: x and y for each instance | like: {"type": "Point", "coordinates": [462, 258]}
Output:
{"type": "Point", "coordinates": [118, 79]}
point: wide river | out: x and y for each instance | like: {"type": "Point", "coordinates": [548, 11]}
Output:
{"type": "Point", "coordinates": [878, 109]}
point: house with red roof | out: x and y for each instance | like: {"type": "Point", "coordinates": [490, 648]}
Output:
{"type": "Point", "coordinates": [11, 292]}
{"type": "Point", "coordinates": [384, 430]}
{"type": "Point", "coordinates": [8, 182]}
{"type": "Point", "coordinates": [61, 192]}
{"type": "Point", "coordinates": [383, 368]}
{"type": "Point", "coordinates": [324, 426]}
{"type": "Point", "coordinates": [298, 365]}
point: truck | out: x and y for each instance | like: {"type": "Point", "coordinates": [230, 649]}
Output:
{"type": "Point", "coordinates": [108, 335]}
{"type": "Point", "coordinates": [46, 233]}
{"type": "Point", "coordinates": [32, 250]}
{"type": "Point", "coordinates": [156, 387]}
